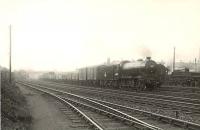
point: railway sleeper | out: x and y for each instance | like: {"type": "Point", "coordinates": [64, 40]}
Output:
{"type": "Point", "coordinates": [123, 119]}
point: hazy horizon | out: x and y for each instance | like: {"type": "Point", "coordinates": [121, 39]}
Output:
{"type": "Point", "coordinates": [64, 35]}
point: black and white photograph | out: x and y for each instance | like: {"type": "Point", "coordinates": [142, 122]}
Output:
{"type": "Point", "coordinates": [100, 64]}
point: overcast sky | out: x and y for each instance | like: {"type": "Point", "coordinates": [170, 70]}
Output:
{"type": "Point", "coordinates": [67, 34]}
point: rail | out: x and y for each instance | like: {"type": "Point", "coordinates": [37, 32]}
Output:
{"type": "Point", "coordinates": [91, 122]}
{"type": "Point", "coordinates": [122, 116]}
{"type": "Point", "coordinates": [177, 122]}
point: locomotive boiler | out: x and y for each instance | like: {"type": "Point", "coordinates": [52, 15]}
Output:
{"type": "Point", "coordinates": [142, 74]}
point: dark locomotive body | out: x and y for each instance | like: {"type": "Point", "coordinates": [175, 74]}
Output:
{"type": "Point", "coordinates": [142, 74]}
{"type": "Point", "coordinates": [138, 75]}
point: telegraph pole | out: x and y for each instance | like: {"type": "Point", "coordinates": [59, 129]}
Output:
{"type": "Point", "coordinates": [10, 64]}
{"type": "Point", "coordinates": [173, 67]}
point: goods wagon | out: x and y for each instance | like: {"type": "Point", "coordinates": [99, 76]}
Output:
{"type": "Point", "coordinates": [82, 73]}
{"type": "Point", "coordinates": [92, 73]}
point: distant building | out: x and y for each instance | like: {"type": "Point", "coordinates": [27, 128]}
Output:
{"type": "Point", "coordinates": [192, 67]}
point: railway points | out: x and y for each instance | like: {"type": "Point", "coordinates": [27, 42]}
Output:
{"type": "Point", "coordinates": [110, 112]}
{"type": "Point", "coordinates": [164, 118]}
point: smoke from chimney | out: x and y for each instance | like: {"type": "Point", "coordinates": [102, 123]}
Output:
{"type": "Point", "coordinates": [144, 52]}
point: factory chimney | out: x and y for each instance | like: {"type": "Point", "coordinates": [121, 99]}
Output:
{"type": "Point", "coordinates": [108, 61]}
{"type": "Point", "coordinates": [198, 65]}
{"type": "Point", "coordinates": [199, 55]}
{"type": "Point", "coordinates": [195, 63]}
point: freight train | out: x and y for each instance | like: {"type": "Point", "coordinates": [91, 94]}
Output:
{"type": "Point", "coordinates": [138, 75]}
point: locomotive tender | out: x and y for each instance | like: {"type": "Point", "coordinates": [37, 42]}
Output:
{"type": "Point", "coordinates": [139, 75]}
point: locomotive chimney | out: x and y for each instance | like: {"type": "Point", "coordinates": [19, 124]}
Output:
{"type": "Point", "coordinates": [148, 58]}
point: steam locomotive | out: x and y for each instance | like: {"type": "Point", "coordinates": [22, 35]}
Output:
{"type": "Point", "coordinates": [139, 75]}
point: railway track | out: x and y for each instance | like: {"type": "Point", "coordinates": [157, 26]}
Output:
{"type": "Point", "coordinates": [97, 115]}
{"type": "Point", "coordinates": [190, 92]}
{"type": "Point", "coordinates": [174, 93]}
{"type": "Point", "coordinates": [170, 102]}
{"type": "Point", "coordinates": [195, 95]}
{"type": "Point", "coordinates": [180, 88]}
{"type": "Point", "coordinates": [166, 91]}
{"type": "Point", "coordinates": [128, 113]}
